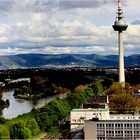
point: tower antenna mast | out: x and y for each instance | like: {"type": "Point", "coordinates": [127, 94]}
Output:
{"type": "Point", "coordinates": [120, 26]}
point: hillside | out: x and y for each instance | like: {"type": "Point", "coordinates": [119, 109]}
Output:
{"type": "Point", "coordinates": [42, 60]}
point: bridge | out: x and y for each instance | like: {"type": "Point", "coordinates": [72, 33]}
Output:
{"type": "Point", "coordinates": [19, 80]}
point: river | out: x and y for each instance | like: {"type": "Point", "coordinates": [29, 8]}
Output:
{"type": "Point", "coordinates": [21, 106]}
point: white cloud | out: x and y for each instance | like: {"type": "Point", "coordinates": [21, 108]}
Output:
{"type": "Point", "coordinates": [19, 24]}
{"type": "Point", "coordinates": [53, 26]}
{"type": "Point", "coordinates": [38, 17]}
{"type": "Point", "coordinates": [3, 39]}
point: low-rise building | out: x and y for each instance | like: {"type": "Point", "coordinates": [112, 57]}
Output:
{"type": "Point", "coordinates": [99, 124]}
{"type": "Point", "coordinates": [79, 116]}
{"type": "Point", "coordinates": [112, 130]}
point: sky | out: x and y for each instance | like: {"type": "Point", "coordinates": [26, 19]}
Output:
{"type": "Point", "coordinates": [66, 26]}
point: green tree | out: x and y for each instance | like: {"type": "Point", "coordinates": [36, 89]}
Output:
{"type": "Point", "coordinates": [33, 127]}
{"type": "Point", "coordinates": [45, 117]}
{"type": "Point", "coordinates": [19, 131]}
{"type": "Point", "coordinates": [61, 108]}
{"type": "Point", "coordinates": [89, 91]}
{"type": "Point", "coordinates": [97, 88]}
{"type": "Point", "coordinates": [76, 100]}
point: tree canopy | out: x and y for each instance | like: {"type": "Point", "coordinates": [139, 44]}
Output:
{"type": "Point", "coordinates": [123, 103]}
{"type": "Point", "coordinates": [19, 131]}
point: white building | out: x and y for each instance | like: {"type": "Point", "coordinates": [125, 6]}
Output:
{"type": "Point", "coordinates": [98, 124]}
{"type": "Point", "coordinates": [112, 130]}
{"type": "Point", "coordinates": [79, 116]}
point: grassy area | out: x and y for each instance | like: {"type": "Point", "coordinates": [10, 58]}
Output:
{"type": "Point", "coordinates": [24, 117]}
{"type": "Point", "coordinates": [54, 130]}
{"type": "Point", "coordinates": [4, 131]}
{"type": "Point", "coordinates": [4, 128]}
{"type": "Point", "coordinates": [31, 97]}
{"type": "Point", "coordinates": [22, 96]}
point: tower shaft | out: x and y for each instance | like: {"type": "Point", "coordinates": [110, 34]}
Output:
{"type": "Point", "coordinates": [120, 26]}
{"type": "Point", "coordinates": [121, 58]}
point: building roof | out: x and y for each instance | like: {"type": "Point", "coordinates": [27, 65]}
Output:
{"type": "Point", "coordinates": [89, 109]}
{"type": "Point", "coordinates": [113, 121]}
{"type": "Point", "coordinates": [98, 99]}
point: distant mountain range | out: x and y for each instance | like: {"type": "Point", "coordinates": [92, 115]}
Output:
{"type": "Point", "coordinates": [44, 60]}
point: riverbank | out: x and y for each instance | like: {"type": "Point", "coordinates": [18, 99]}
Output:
{"type": "Point", "coordinates": [51, 118]}
{"type": "Point", "coordinates": [24, 93]}
{"type": "Point", "coordinates": [31, 121]}
{"type": "Point", "coordinates": [21, 106]}
{"type": "Point", "coordinates": [29, 97]}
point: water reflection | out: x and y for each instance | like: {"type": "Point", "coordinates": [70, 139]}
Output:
{"type": "Point", "coordinates": [20, 106]}
{"type": "Point", "coordinates": [17, 106]}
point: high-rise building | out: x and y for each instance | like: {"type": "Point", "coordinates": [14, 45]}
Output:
{"type": "Point", "coordinates": [120, 26]}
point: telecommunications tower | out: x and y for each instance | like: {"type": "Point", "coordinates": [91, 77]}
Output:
{"type": "Point", "coordinates": [120, 26]}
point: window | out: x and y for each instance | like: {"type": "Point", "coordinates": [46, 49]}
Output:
{"type": "Point", "coordinates": [119, 133]}
{"type": "Point", "coordinates": [73, 120]}
{"type": "Point", "coordinates": [100, 125]}
{"type": "Point", "coordinates": [79, 120]}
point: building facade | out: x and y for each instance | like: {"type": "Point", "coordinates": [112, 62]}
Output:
{"type": "Point", "coordinates": [112, 130]}
{"type": "Point", "coordinates": [79, 116]}
{"type": "Point", "coordinates": [99, 124]}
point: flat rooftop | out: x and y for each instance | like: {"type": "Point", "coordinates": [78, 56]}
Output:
{"type": "Point", "coordinates": [89, 109]}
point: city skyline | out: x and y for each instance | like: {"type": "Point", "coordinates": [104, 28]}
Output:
{"type": "Point", "coordinates": [66, 26]}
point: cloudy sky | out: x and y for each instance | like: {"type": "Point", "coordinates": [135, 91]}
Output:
{"type": "Point", "coordinates": [66, 26]}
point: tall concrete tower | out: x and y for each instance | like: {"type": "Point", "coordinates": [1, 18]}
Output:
{"type": "Point", "coordinates": [120, 26]}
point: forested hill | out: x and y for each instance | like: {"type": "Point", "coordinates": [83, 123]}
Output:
{"type": "Point", "coordinates": [42, 60]}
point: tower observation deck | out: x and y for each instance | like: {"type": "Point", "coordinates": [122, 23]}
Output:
{"type": "Point", "coordinates": [120, 26]}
